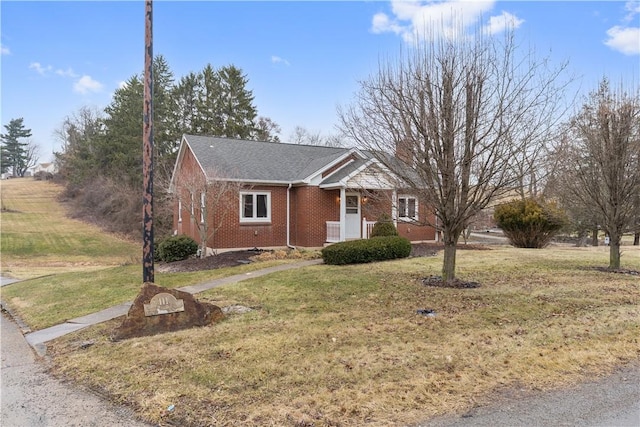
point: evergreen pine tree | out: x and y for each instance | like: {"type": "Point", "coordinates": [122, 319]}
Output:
{"type": "Point", "coordinates": [15, 153]}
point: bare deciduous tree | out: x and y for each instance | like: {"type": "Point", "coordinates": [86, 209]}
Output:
{"type": "Point", "coordinates": [456, 112]}
{"type": "Point", "coordinates": [605, 172]}
{"type": "Point", "coordinates": [208, 202]}
{"type": "Point", "coordinates": [301, 135]}
{"type": "Point", "coordinates": [30, 158]}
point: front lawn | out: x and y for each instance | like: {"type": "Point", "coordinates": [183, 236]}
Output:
{"type": "Point", "coordinates": [330, 345]}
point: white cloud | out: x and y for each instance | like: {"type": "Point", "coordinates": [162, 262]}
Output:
{"type": "Point", "coordinates": [413, 19]}
{"type": "Point", "coordinates": [39, 68]}
{"type": "Point", "coordinates": [122, 84]}
{"type": "Point", "coordinates": [278, 60]}
{"type": "Point", "coordinates": [625, 40]}
{"type": "Point", "coordinates": [633, 7]}
{"type": "Point", "coordinates": [382, 24]}
{"type": "Point", "coordinates": [66, 73]}
{"type": "Point", "coordinates": [4, 50]}
{"type": "Point", "coordinates": [86, 84]}
{"type": "Point", "coordinates": [499, 23]}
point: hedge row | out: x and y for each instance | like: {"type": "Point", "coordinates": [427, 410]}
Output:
{"type": "Point", "coordinates": [366, 250]}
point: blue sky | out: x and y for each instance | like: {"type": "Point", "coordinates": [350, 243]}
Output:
{"type": "Point", "coordinates": [302, 58]}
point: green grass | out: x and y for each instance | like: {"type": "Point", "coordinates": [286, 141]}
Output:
{"type": "Point", "coordinates": [38, 238]}
{"type": "Point", "coordinates": [328, 345]}
{"type": "Point", "coordinates": [50, 300]}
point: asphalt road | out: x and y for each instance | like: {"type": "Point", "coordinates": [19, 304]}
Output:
{"type": "Point", "coordinates": [613, 401]}
{"type": "Point", "coordinates": [30, 397]}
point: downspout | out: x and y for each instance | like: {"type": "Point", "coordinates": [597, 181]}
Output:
{"type": "Point", "coordinates": [343, 214]}
{"type": "Point", "coordinates": [289, 217]}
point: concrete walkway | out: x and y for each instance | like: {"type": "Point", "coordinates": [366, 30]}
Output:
{"type": "Point", "coordinates": [37, 339]}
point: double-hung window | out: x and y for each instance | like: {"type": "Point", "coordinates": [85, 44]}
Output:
{"type": "Point", "coordinates": [255, 206]}
{"type": "Point", "coordinates": [202, 206]}
{"type": "Point", "coordinates": [407, 208]}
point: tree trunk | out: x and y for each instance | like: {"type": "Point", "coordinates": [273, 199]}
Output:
{"type": "Point", "coordinates": [582, 240]}
{"type": "Point", "coordinates": [636, 239]}
{"type": "Point", "coordinates": [594, 237]}
{"type": "Point", "coordinates": [614, 251]}
{"type": "Point", "coordinates": [449, 264]}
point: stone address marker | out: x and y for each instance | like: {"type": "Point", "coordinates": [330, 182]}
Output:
{"type": "Point", "coordinates": [163, 303]}
{"type": "Point", "coordinates": [156, 310]}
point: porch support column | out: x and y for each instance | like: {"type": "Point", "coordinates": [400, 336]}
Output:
{"type": "Point", "coordinates": [343, 214]}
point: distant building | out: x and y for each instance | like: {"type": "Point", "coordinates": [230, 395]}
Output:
{"type": "Point", "coordinates": [43, 167]}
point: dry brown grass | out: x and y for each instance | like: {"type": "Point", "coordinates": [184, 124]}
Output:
{"type": "Point", "coordinates": [38, 238]}
{"type": "Point", "coordinates": [344, 346]}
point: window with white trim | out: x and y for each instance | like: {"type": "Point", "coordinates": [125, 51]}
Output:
{"type": "Point", "coordinates": [407, 208]}
{"type": "Point", "coordinates": [179, 210]}
{"type": "Point", "coordinates": [255, 206]}
{"type": "Point", "coordinates": [202, 206]}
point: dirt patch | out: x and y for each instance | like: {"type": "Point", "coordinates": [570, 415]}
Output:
{"type": "Point", "coordinates": [7, 210]}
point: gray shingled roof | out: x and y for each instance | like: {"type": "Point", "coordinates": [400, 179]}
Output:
{"type": "Point", "coordinates": [260, 161]}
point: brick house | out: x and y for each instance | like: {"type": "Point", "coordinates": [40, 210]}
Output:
{"type": "Point", "coordinates": [277, 195]}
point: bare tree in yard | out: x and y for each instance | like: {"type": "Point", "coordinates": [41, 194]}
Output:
{"type": "Point", "coordinates": [605, 172]}
{"type": "Point", "coordinates": [209, 202]}
{"type": "Point", "coordinates": [457, 111]}
{"type": "Point", "coordinates": [301, 135]}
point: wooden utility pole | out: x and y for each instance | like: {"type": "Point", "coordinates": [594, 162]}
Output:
{"type": "Point", "coordinates": [147, 149]}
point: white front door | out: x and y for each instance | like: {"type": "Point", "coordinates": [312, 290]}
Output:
{"type": "Point", "coordinates": [352, 223]}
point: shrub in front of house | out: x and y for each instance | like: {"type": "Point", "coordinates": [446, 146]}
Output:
{"type": "Point", "coordinates": [384, 227]}
{"type": "Point", "coordinates": [366, 250]}
{"type": "Point", "coordinates": [529, 223]}
{"type": "Point", "coordinates": [176, 248]}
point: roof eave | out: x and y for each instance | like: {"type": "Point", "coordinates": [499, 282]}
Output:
{"type": "Point", "coordinates": [256, 181]}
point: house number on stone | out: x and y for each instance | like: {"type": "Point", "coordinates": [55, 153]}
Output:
{"type": "Point", "coordinates": [163, 303]}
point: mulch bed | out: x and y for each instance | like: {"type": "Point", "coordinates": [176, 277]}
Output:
{"type": "Point", "coordinates": [236, 258]}
{"type": "Point", "coordinates": [617, 270]}
{"type": "Point", "coordinates": [455, 283]}
{"type": "Point", "coordinates": [224, 259]}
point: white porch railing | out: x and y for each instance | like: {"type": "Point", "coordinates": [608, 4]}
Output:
{"type": "Point", "coordinates": [333, 231]}
{"type": "Point", "coordinates": [367, 226]}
